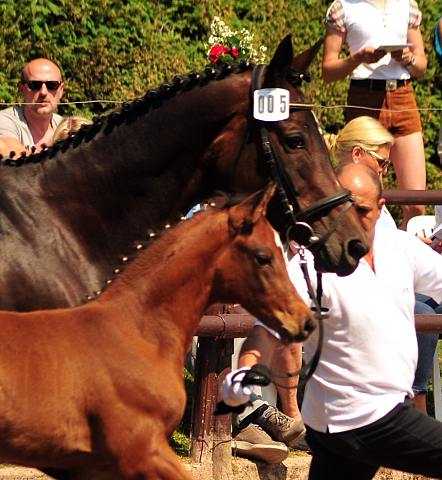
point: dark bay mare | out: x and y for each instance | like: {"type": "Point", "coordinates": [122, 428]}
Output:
{"type": "Point", "coordinates": [70, 214]}
{"type": "Point", "coordinates": [98, 390]}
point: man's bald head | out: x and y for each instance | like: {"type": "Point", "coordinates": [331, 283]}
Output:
{"type": "Point", "coordinates": [367, 193]}
{"type": "Point", "coordinates": [352, 173]}
{"type": "Point", "coordinates": [40, 67]}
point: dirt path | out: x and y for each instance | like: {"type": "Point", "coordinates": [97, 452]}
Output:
{"type": "Point", "coordinates": [294, 468]}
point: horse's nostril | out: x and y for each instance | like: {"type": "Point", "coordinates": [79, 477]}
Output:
{"type": "Point", "coordinates": [309, 326]}
{"type": "Point", "coordinates": [356, 249]}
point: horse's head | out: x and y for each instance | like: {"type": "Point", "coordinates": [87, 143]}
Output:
{"type": "Point", "coordinates": [254, 268]}
{"type": "Point", "coordinates": [315, 209]}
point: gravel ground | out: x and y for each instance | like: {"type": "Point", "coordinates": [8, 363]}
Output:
{"type": "Point", "coordinates": [294, 468]}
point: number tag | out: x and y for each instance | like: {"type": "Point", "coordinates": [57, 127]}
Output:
{"type": "Point", "coordinates": [271, 104]}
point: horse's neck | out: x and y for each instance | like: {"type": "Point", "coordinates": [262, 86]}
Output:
{"type": "Point", "coordinates": [169, 287]}
{"type": "Point", "coordinates": [153, 169]}
{"type": "Point", "coordinates": [107, 190]}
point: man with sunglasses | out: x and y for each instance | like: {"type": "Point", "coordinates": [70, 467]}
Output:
{"type": "Point", "coordinates": [27, 127]}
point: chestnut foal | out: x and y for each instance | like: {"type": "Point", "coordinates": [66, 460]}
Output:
{"type": "Point", "coordinates": [97, 390]}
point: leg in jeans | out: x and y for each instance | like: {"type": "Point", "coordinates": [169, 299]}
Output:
{"type": "Point", "coordinates": [405, 439]}
{"type": "Point", "coordinates": [427, 344]}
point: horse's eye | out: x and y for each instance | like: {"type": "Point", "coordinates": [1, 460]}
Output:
{"type": "Point", "coordinates": [296, 141]}
{"type": "Point", "coordinates": [263, 259]}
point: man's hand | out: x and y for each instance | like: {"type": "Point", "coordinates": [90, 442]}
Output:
{"type": "Point", "coordinates": [234, 394]}
{"type": "Point", "coordinates": [10, 144]}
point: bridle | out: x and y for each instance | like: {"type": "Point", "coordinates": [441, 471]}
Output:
{"type": "Point", "coordinates": [262, 375]}
{"type": "Point", "coordinates": [297, 218]}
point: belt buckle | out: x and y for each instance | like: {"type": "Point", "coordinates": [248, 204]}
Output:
{"type": "Point", "coordinates": [391, 85]}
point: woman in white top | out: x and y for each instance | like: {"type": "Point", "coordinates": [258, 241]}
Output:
{"type": "Point", "coordinates": [380, 77]}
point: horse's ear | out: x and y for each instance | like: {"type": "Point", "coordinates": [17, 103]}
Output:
{"type": "Point", "coordinates": [243, 216]}
{"type": "Point", "coordinates": [284, 59]}
{"type": "Point", "coordinates": [280, 63]}
{"type": "Point", "coordinates": [302, 62]}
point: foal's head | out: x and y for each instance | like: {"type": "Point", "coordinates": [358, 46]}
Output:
{"type": "Point", "coordinates": [253, 268]}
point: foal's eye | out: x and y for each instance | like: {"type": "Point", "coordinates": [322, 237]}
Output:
{"type": "Point", "coordinates": [296, 141]}
{"type": "Point", "coordinates": [263, 259]}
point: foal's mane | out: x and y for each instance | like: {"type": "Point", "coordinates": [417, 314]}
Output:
{"type": "Point", "coordinates": [153, 99]}
{"type": "Point", "coordinates": [156, 243]}
{"type": "Point", "coordinates": [152, 248]}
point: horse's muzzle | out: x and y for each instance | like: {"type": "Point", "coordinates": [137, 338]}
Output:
{"type": "Point", "coordinates": [304, 332]}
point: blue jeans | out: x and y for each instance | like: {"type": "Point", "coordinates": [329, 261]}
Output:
{"type": "Point", "coordinates": [427, 344]}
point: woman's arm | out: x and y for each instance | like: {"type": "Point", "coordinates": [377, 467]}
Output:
{"type": "Point", "coordinates": [417, 51]}
{"type": "Point", "coordinates": [335, 68]}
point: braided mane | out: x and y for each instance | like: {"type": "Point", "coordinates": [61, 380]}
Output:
{"type": "Point", "coordinates": [140, 106]}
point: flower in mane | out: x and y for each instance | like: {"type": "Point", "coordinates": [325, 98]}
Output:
{"type": "Point", "coordinates": [225, 45]}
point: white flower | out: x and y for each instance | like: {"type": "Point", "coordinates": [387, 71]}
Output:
{"type": "Point", "coordinates": [223, 35]}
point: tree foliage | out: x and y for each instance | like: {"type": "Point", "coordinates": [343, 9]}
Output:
{"type": "Point", "coordinates": [117, 49]}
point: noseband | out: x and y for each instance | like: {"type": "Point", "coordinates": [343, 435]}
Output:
{"type": "Point", "coordinates": [297, 219]}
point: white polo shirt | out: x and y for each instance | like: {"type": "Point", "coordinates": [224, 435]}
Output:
{"type": "Point", "coordinates": [369, 353]}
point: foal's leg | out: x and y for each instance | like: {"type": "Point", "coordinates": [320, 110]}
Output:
{"type": "Point", "coordinates": [95, 474]}
{"type": "Point", "coordinates": [160, 464]}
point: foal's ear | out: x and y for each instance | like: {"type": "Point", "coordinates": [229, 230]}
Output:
{"type": "Point", "coordinates": [302, 62]}
{"type": "Point", "coordinates": [243, 216]}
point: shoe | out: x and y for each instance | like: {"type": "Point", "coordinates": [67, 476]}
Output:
{"type": "Point", "coordinates": [280, 427]}
{"type": "Point", "coordinates": [253, 443]}
{"type": "Point", "coordinates": [302, 445]}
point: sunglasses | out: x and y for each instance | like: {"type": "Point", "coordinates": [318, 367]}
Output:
{"type": "Point", "coordinates": [383, 162]}
{"type": "Point", "coordinates": [35, 85]}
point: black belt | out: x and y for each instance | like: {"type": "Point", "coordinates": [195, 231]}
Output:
{"type": "Point", "coordinates": [384, 85]}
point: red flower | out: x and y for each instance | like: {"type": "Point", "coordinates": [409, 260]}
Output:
{"type": "Point", "coordinates": [233, 52]}
{"type": "Point", "coordinates": [216, 51]}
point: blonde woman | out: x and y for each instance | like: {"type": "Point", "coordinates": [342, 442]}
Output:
{"type": "Point", "coordinates": [364, 140]}
{"type": "Point", "coordinates": [72, 123]}
{"type": "Point", "coordinates": [357, 142]}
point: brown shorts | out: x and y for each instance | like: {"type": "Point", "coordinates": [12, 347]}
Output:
{"type": "Point", "coordinates": [382, 105]}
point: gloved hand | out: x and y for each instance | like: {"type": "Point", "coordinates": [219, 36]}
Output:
{"type": "Point", "coordinates": [234, 394]}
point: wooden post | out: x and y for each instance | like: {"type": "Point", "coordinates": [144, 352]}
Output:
{"type": "Point", "coordinates": [210, 436]}
{"type": "Point", "coordinates": [222, 430]}
{"type": "Point", "coordinates": [203, 402]}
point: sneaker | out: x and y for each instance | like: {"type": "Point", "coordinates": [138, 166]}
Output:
{"type": "Point", "coordinates": [302, 445]}
{"type": "Point", "coordinates": [280, 427]}
{"type": "Point", "coordinates": [253, 443]}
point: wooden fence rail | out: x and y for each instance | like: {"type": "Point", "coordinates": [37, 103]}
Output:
{"type": "Point", "coordinates": [210, 435]}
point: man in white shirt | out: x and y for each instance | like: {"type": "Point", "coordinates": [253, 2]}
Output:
{"type": "Point", "coordinates": [357, 406]}
{"type": "Point", "coordinates": [33, 124]}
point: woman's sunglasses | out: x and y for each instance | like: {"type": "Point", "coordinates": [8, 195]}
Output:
{"type": "Point", "coordinates": [383, 162]}
{"type": "Point", "coordinates": [35, 85]}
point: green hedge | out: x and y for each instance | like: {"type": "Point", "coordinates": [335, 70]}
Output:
{"type": "Point", "coordinates": [115, 49]}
